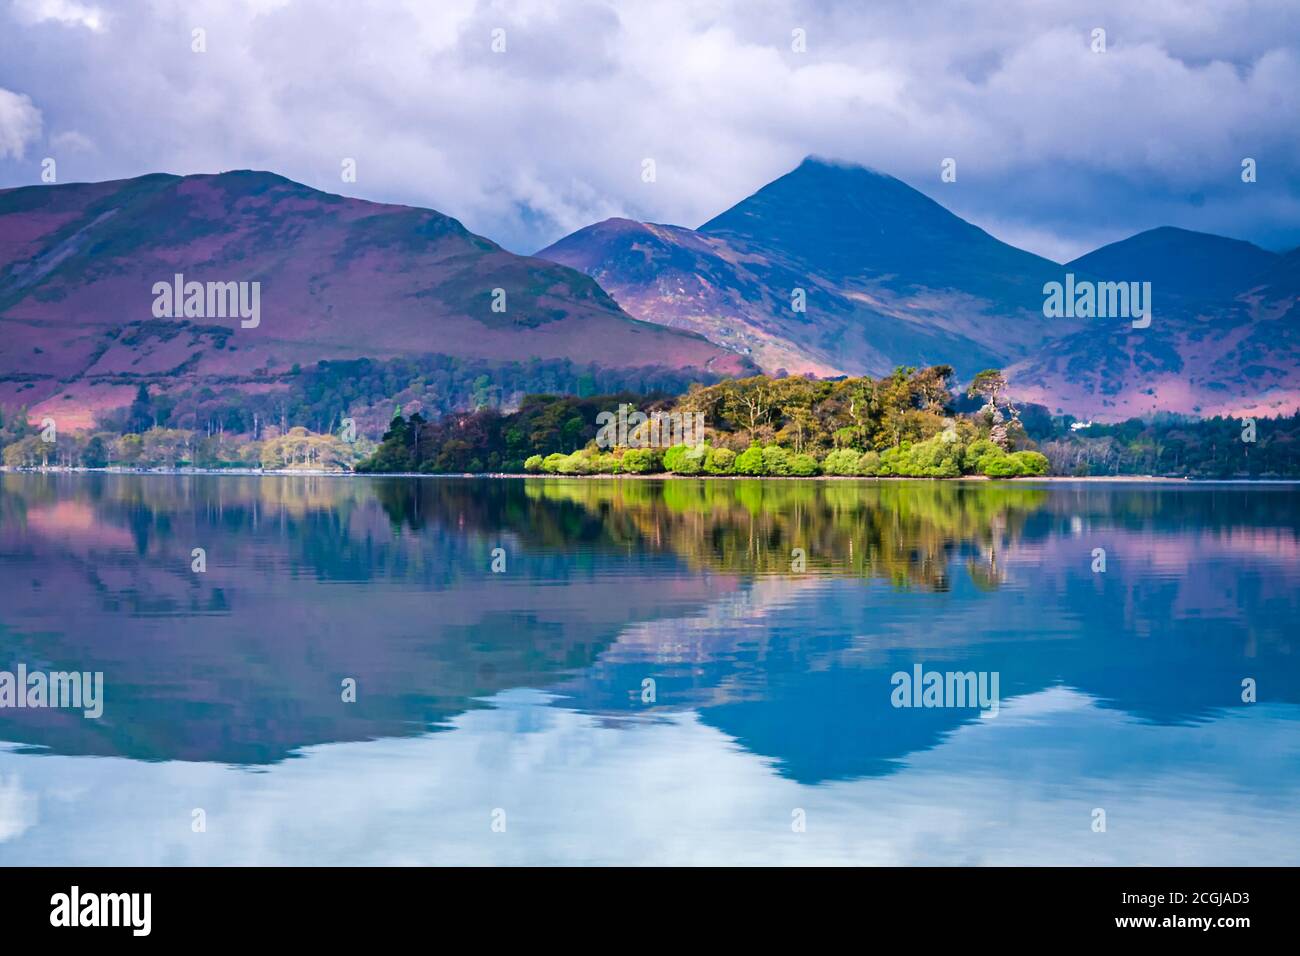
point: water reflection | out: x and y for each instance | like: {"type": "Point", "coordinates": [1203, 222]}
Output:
{"type": "Point", "coordinates": [691, 584]}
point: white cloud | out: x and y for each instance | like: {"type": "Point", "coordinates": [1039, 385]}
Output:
{"type": "Point", "coordinates": [1053, 140]}
{"type": "Point", "coordinates": [20, 124]}
{"type": "Point", "coordinates": [72, 141]}
{"type": "Point", "coordinates": [67, 12]}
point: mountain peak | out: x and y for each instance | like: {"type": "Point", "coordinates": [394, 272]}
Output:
{"type": "Point", "coordinates": [1180, 262]}
{"type": "Point", "coordinates": [827, 165]}
{"type": "Point", "coordinates": [856, 223]}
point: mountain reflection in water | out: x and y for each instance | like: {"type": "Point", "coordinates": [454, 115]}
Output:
{"type": "Point", "coordinates": [694, 585]}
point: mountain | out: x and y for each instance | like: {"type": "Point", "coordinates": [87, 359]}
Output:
{"type": "Point", "coordinates": [1224, 337]}
{"type": "Point", "coordinates": [1279, 283]}
{"type": "Point", "coordinates": [683, 279]}
{"type": "Point", "coordinates": [339, 278]}
{"type": "Point", "coordinates": [1179, 262]}
{"type": "Point", "coordinates": [853, 223]}
{"type": "Point", "coordinates": [890, 277]}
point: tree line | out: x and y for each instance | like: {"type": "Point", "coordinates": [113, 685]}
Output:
{"type": "Point", "coordinates": [904, 424]}
{"type": "Point", "coordinates": [909, 423]}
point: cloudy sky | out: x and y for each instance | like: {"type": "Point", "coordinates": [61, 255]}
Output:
{"type": "Point", "coordinates": [1058, 148]}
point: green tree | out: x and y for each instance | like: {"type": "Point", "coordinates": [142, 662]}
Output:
{"type": "Point", "coordinates": [750, 462]}
{"type": "Point", "coordinates": [641, 461]}
{"type": "Point", "coordinates": [776, 460]}
{"type": "Point", "coordinates": [721, 461]}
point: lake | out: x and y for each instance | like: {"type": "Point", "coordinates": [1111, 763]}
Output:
{"type": "Point", "coordinates": [545, 671]}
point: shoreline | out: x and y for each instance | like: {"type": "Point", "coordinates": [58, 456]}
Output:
{"type": "Point", "coordinates": [313, 473]}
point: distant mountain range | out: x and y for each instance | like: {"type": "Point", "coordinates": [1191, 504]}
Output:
{"type": "Point", "coordinates": [339, 278]}
{"type": "Point", "coordinates": [832, 269]}
{"type": "Point", "coordinates": [892, 278]}
{"type": "Point", "coordinates": [888, 277]}
{"type": "Point", "coordinates": [1224, 337]}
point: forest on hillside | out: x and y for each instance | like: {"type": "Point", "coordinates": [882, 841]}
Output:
{"type": "Point", "coordinates": [299, 422]}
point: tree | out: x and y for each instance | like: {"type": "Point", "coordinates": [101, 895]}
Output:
{"type": "Point", "coordinates": [989, 384]}
{"type": "Point", "coordinates": [932, 390]}
{"type": "Point", "coordinates": [25, 453]}
{"type": "Point", "coordinates": [842, 461]}
{"type": "Point", "coordinates": [641, 461]}
{"type": "Point", "coordinates": [776, 460]}
{"type": "Point", "coordinates": [95, 454]}
{"type": "Point", "coordinates": [804, 466]}
{"type": "Point", "coordinates": [140, 417]}
{"type": "Point", "coordinates": [750, 462]}
{"type": "Point", "coordinates": [749, 403]}
{"type": "Point", "coordinates": [394, 451]}
{"type": "Point", "coordinates": [721, 461]}
{"type": "Point", "coordinates": [14, 426]}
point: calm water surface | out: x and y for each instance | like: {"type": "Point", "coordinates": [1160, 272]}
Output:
{"type": "Point", "coordinates": [525, 691]}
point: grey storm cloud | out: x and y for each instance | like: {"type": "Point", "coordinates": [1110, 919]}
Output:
{"type": "Point", "coordinates": [1059, 148]}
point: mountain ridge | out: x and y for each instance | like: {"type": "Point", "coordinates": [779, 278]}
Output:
{"type": "Point", "coordinates": [1181, 262]}
{"type": "Point", "coordinates": [340, 278]}
{"type": "Point", "coordinates": [831, 269]}
{"type": "Point", "coordinates": [870, 303]}
{"type": "Point", "coordinates": [893, 278]}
